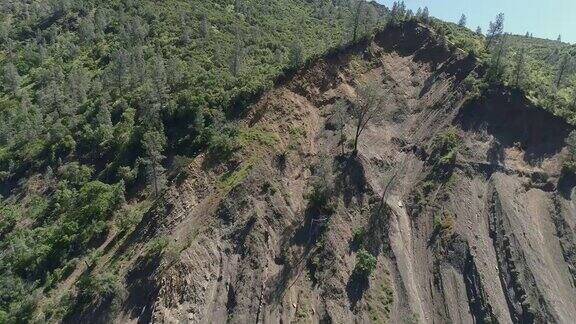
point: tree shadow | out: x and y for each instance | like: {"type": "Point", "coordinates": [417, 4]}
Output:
{"type": "Point", "coordinates": [377, 229]}
{"type": "Point", "coordinates": [515, 122]}
{"type": "Point", "coordinates": [355, 288]}
{"type": "Point", "coordinates": [351, 181]}
{"type": "Point", "coordinates": [141, 288]}
{"type": "Point", "coordinates": [306, 235]}
{"type": "Point", "coordinates": [495, 154]}
{"type": "Point", "coordinates": [566, 184]}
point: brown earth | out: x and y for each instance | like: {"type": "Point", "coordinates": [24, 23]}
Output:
{"type": "Point", "coordinates": [490, 239]}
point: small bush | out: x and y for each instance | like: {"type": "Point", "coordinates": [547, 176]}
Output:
{"type": "Point", "coordinates": [98, 287]}
{"type": "Point", "coordinates": [127, 174]}
{"type": "Point", "coordinates": [474, 86]}
{"type": "Point", "coordinates": [443, 155]}
{"type": "Point", "coordinates": [445, 146]}
{"type": "Point", "coordinates": [157, 245]}
{"type": "Point", "coordinates": [365, 263]}
{"type": "Point", "coordinates": [444, 225]}
{"type": "Point", "coordinates": [233, 178]}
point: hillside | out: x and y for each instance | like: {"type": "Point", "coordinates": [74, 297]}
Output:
{"type": "Point", "coordinates": [101, 101]}
{"type": "Point", "coordinates": [185, 161]}
{"type": "Point", "coordinates": [453, 209]}
{"type": "Point", "coordinates": [536, 62]}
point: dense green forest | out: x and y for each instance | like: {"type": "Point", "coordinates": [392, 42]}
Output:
{"type": "Point", "coordinates": [103, 102]}
{"type": "Point", "coordinates": [545, 70]}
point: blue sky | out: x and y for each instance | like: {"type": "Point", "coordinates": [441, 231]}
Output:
{"type": "Point", "coordinates": [544, 19]}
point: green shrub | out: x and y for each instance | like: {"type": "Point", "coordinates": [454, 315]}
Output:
{"type": "Point", "coordinates": [569, 168]}
{"type": "Point", "coordinates": [97, 287]}
{"type": "Point", "coordinates": [222, 144]}
{"type": "Point", "coordinates": [445, 146]}
{"type": "Point", "coordinates": [234, 177]}
{"type": "Point", "coordinates": [365, 263]}
{"type": "Point", "coordinates": [129, 216]}
{"type": "Point", "coordinates": [62, 147]}
{"type": "Point", "coordinates": [474, 85]}
{"type": "Point", "coordinates": [157, 245]}
{"type": "Point", "coordinates": [443, 222]}
{"type": "Point", "coordinates": [444, 151]}
{"type": "Point", "coordinates": [127, 174]}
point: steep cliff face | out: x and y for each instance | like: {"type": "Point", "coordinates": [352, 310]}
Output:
{"type": "Point", "coordinates": [475, 229]}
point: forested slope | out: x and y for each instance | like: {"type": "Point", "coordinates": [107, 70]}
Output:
{"type": "Point", "coordinates": [100, 97]}
{"type": "Point", "coordinates": [544, 70]}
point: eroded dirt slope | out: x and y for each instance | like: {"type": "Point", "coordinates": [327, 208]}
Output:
{"type": "Point", "coordinates": [488, 236]}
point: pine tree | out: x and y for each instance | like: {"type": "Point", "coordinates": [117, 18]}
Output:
{"type": "Point", "coordinates": [357, 19]}
{"type": "Point", "coordinates": [370, 19]}
{"type": "Point", "coordinates": [495, 30]}
{"type": "Point", "coordinates": [425, 15]}
{"type": "Point", "coordinates": [51, 96]}
{"type": "Point", "coordinates": [149, 106]}
{"type": "Point", "coordinates": [104, 129]}
{"type": "Point", "coordinates": [518, 70]}
{"type": "Point", "coordinates": [86, 29]}
{"type": "Point", "coordinates": [409, 14]}
{"type": "Point", "coordinates": [103, 115]}
{"type": "Point", "coordinates": [296, 56]}
{"type": "Point", "coordinates": [462, 21]}
{"type": "Point", "coordinates": [496, 70]}
{"type": "Point", "coordinates": [101, 21]}
{"type": "Point", "coordinates": [398, 12]}
{"type": "Point", "coordinates": [160, 80]}
{"type": "Point", "coordinates": [368, 106]}
{"type": "Point", "coordinates": [153, 143]}
{"type": "Point", "coordinates": [137, 74]}
{"type": "Point", "coordinates": [478, 30]}
{"type": "Point", "coordinates": [559, 39]}
{"type": "Point", "coordinates": [78, 86]}
{"type": "Point", "coordinates": [175, 73]}
{"type": "Point", "coordinates": [5, 28]}
{"type": "Point", "coordinates": [239, 6]}
{"type": "Point", "coordinates": [119, 70]}
{"type": "Point", "coordinates": [186, 36]}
